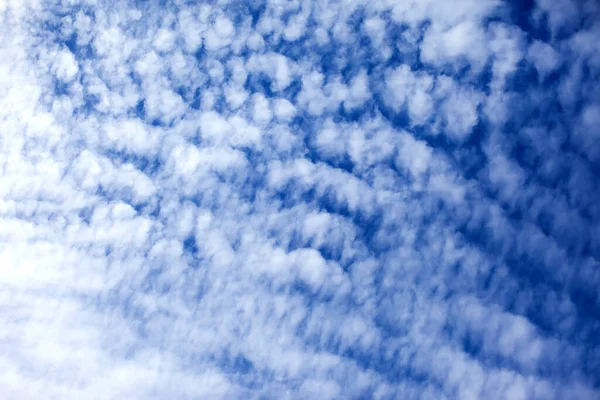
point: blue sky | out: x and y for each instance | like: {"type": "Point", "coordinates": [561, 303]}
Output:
{"type": "Point", "coordinates": [300, 199]}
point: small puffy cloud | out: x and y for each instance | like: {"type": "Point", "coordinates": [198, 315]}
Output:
{"type": "Point", "coordinates": [560, 15]}
{"type": "Point", "coordinates": [235, 96]}
{"type": "Point", "coordinates": [358, 91]}
{"type": "Point", "coordinates": [312, 95]}
{"type": "Point", "coordinates": [261, 109]}
{"type": "Point", "coordinates": [191, 28]}
{"type": "Point", "coordinates": [92, 173]}
{"type": "Point", "coordinates": [505, 176]}
{"type": "Point", "coordinates": [163, 103]}
{"type": "Point", "coordinates": [543, 57]}
{"type": "Point", "coordinates": [414, 155]}
{"type": "Point", "coordinates": [587, 134]}
{"type": "Point", "coordinates": [459, 108]}
{"type": "Point", "coordinates": [508, 48]}
{"type": "Point", "coordinates": [274, 65]}
{"type": "Point", "coordinates": [295, 28]}
{"type": "Point", "coordinates": [406, 88]}
{"type": "Point", "coordinates": [462, 41]}
{"type": "Point", "coordinates": [220, 35]}
{"type": "Point", "coordinates": [164, 40]}
{"type": "Point", "coordinates": [255, 42]}
{"type": "Point", "coordinates": [237, 70]}
{"type": "Point", "coordinates": [375, 28]}
{"type": "Point", "coordinates": [214, 127]}
{"type": "Point", "coordinates": [224, 27]}
{"type": "Point", "coordinates": [130, 135]}
{"type": "Point", "coordinates": [283, 109]}
{"type": "Point", "coordinates": [148, 65]}
{"type": "Point", "coordinates": [65, 66]}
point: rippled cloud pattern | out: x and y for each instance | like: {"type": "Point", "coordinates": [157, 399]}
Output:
{"type": "Point", "coordinates": [286, 199]}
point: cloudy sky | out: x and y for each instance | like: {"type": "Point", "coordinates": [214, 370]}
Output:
{"type": "Point", "coordinates": [286, 199]}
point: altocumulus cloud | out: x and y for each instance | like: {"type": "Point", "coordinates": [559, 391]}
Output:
{"type": "Point", "coordinates": [300, 199]}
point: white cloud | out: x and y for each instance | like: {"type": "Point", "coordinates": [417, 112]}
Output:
{"type": "Point", "coordinates": [587, 135]}
{"type": "Point", "coordinates": [414, 155]}
{"type": "Point", "coordinates": [459, 108]}
{"type": "Point", "coordinates": [226, 201]}
{"type": "Point", "coordinates": [284, 109]}
{"type": "Point", "coordinates": [261, 109]}
{"type": "Point", "coordinates": [92, 172]}
{"type": "Point", "coordinates": [274, 65]}
{"type": "Point", "coordinates": [562, 14]}
{"type": "Point", "coordinates": [507, 45]}
{"type": "Point", "coordinates": [543, 57]}
{"type": "Point", "coordinates": [295, 28]}
{"type": "Point", "coordinates": [65, 66]}
{"type": "Point", "coordinates": [220, 35]}
{"type": "Point", "coordinates": [405, 87]}
{"type": "Point", "coordinates": [131, 135]}
{"type": "Point", "coordinates": [505, 175]}
{"type": "Point", "coordinates": [164, 40]}
{"type": "Point", "coordinates": [358, 91]}
{"type": "Point", "coordinates": [460, 41]}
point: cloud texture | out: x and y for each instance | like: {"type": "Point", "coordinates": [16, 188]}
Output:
{"type": "Point", "coordinates": [300, 199]}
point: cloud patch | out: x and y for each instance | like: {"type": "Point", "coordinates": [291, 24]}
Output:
{"type": "Point", "coordinates": [333, 200]}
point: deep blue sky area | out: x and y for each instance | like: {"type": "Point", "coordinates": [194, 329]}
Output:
{"type": "Point", "coordinates": [300, 199]}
